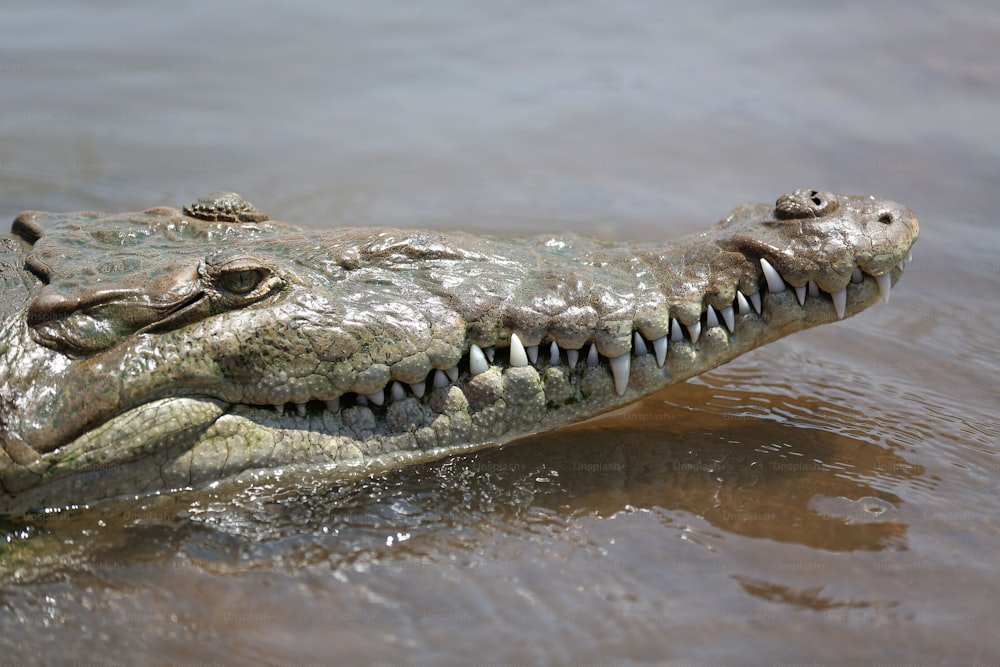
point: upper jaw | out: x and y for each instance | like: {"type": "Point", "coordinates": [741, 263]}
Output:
{"type": "Point", "coordinates": [668, 293]}
{"type": "Point", "coordinates": [858, 233]}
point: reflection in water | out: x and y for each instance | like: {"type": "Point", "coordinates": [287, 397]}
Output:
{"type": "Point", "coordinates": [744, 475]}
{"type": "Point", "coordinates": [794, 503]}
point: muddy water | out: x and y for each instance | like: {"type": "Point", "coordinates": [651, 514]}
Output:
{"type": "Point", "coordinates": [831, 498]}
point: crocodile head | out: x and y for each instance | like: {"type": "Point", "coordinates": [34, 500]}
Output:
{"type": "Point", "coordinates": [157, 350]}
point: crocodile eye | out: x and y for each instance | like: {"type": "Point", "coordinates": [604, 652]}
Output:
{"type": "Point", "coordinates": [238, 279]}
{"type": "Point", "coordinates": [241, 282]}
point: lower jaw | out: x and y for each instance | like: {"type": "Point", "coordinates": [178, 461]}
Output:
{"type": "Point", "coordinates": [202, 440]}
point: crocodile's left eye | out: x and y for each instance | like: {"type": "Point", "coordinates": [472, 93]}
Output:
{"type": "Point", "coordinates": [241, 282]}
{"type": "Point", "coordinates": [239, 279]}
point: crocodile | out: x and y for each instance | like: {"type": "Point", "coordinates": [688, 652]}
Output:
{"type": "Point", "coordinates": [172, 349]}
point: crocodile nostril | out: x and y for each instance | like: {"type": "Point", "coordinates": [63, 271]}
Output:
{"type": "Point", "coordinates": [885, 218]}
{"type": "Point", "coordinates": [803, 204]}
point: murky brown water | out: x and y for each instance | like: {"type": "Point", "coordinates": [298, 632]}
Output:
{"type": "Point", "coordinates": [831, 498]}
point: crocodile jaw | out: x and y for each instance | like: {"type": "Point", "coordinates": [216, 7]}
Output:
{"type": "Point", "coordinates": [202, 440]}
{"type": "Point", "coordinates": [163, 440]}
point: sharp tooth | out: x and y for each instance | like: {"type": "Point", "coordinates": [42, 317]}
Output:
{"type": "Point", "coordinates": [592, 359]}
{"type": "Point", "coordinates": [695, 331]}
{"type": "Point", "coordinates": [857, 277]}
{"type": "Point", "coordinates": [660, 347]}
{"type": "Point", "coordinates": [518, 357]}
{"type": "Point", "coordinates": [333, 405]}
{"type": "Point", "coordinates": [398, 393]}
{"type": "Point", "coordinates": [676, 335]}
{"type": "Point", "coordinates": [418, 389]}
{"type": "Point", "coordinates": [755, 300]}
{"type": "Point", "coordinates": [742, 306]}
{"type": "Point", "coordinates": [572, 356]}
{"type": "Point", "coordinates": [452, 373]}
{"type": "Point", "coordinates": [800, 294]}
{"type": "Point", "coordinates": [774, 282]}
{"type": "Point", "coordinates": [301, 409]}
{"type": "Point", "coordinates": [280, 407]}
{"type": "Point", "coordinates": [840, 302]}
{"type": "Point", "coordinates": [440, 379]}
{"type": "Point", "coordinates": [711, 318]}
{"type": "Point", "coordinates": [489, 352]}
{"type": "Point", "coordinates": [813, 289]}
{"type": "Point", "coordinates": [884, 286]}
{"type": "Point", "coordinates": [909, 257]}
{"type": "Point", "coordinates": [730, 318]}
{"type": "Point", "coordinates": [378, 398]}
{"type": "Point", "coordinates": [901, 265]}
{"type": "Point", "coordinates": [620, 368]}
{"type": "Point", "coordinates": [532, 351]}
{"type": "Point", "coordinates": [477, 360]}
{"type": "Point", "coordinates": [553, 354]}
{"type": "Point", "coordinates": [639, 344]}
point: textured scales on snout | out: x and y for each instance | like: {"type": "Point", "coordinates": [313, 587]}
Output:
{"type": "Point", "coordinates": [158, 350]}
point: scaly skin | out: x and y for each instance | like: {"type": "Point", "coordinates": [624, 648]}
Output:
{"type": "Point", "coordinates": [156, 350]}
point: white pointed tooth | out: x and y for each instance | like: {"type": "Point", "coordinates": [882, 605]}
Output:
{"type": "Point", "coordinates": [489, 352]}
{"type": "Point", "coordinates": [800, 294]}
{"type": "Point", "coordinates": [592, 358]}
{"type": "Point", "coordinates": [280, 407]}
{"type": "Point", "coordinates": [572, 356]}
{"type": "Point", "coordinates": [378, 398]}
{"type": "Point", "coordinates": [301, 409]}
{"type": "Point", "coordinates": [333, 405]}
{"type": "Point", "coordinates": [909, 257]}
{"type": "Point", "coordinates": [901, 265]}
{"type": "Point", "coordinates": [813, 289]}
{"type": "Point", "coordinates": [695, 331]}
{"type": "Point", "coordinates": [755, 300]}
{"type": "Point", "coordinates": [532, 351]}
{"type": "Point", "coordinates": [857, 277]}
{"type": "Point", "coordinates": [518, 357]}
{"type": "Point", "coordinates": [639, 344]}
{"type": "Point", "coordinates": [452, 373]}
{"type": "Point", "coordinates": [884, 286]}
{"type": "Point", "coordinates": [711, 318]}
{"type": "Point", "coordinates": [418, 389]}
{"type": "Point", "coordinates": [676, 335]}
{"type": "Point", "coordinates": [660, 347]}
{"type": "Point", "coordinates": [619, 369]}
{"type": "Point", "coordinates": [440, 379]}
{"type": "Point", "coordinates": [397, 392]}
{"type": "Point", "coordinates": [840, 302]}
{"type": "Point", "coordinates": [477, 360]}
{"type": "Point", "coordinates": [774, 282]}
{"type": "Point", "coordinates": [554, 354]}
{"type": "Point", "coordinates": [729, 318]}
{"type": "Point", "coordinates": [742, 306]}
